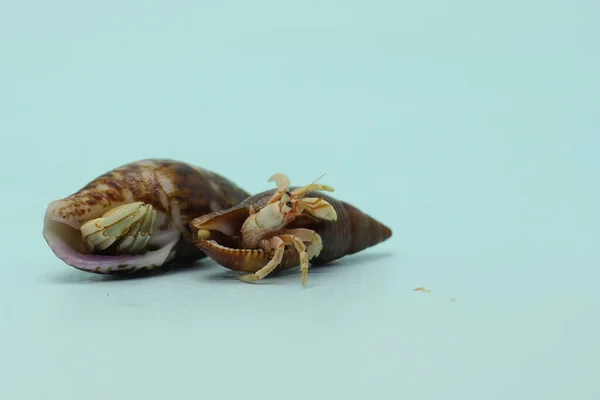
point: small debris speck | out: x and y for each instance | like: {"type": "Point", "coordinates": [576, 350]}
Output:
{"type": "Point", "coordinates": [422, 289]}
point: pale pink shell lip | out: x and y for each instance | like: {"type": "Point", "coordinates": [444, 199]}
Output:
{"type": "Point", "coordinates": [62, 239]}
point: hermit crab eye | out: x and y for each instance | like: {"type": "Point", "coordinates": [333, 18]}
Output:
{"type": "Point", "coordinates": [289, 204]}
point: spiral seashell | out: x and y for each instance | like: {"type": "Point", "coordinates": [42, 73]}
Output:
{"type": "Point", "coordinates": [136, 217]}
{"type": "Point", "coordinates": [349, 231]}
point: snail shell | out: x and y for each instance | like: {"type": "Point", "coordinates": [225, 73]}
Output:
{"type": "Point", "coordinates": [352, 232]}
{"type": "Point", "coordinates": [136, 216]}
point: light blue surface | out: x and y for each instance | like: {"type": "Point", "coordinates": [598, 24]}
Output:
{"type": "Point", "coordinates": [469, 127]}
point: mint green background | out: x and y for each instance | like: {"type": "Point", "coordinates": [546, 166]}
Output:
{"type": "Point", "coordinates": [470, 127]}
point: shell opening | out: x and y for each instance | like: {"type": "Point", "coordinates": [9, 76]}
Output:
{"type": "Point", "coordinates": [240, 259]}
{"type": "Point", "coordinates": [219, 236]}
{"type": "Point", "coordinates": [124, 238]}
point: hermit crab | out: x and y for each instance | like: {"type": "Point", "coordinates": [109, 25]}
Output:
{"type": "Point", "coordinates": [285, 227]}
{"type": "Point", "coordinates": [136, 217]}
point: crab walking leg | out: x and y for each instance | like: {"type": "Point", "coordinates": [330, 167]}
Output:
{"type": "Point", "coordinates": [100, 233]}
{"type": "Point", "coordinates": [314, 243]}
{"type": "Point", "coordinates": [279, 245]}
{"type": "Point", "coordinates": [301, 249]}
{"type": "Point", "coordinates": [143, 236]}
{"type": "Point", "coordinates": [127, 241]}
{"type": "Point", "coordinates": [307, 252]}
{"type": "Point", "coordinates": [297, 237]}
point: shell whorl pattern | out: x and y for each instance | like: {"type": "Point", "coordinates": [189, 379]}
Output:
{"type": "Point", "coordinates": [354, 231]}
{"type": "Point", "coordinates": [366, 231]}
{"type": "Point", "coordinates": [177, 191]}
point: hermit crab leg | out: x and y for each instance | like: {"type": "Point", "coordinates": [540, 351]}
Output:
{"type": "Point", "coordinates": [301, 249]}
{"type": "Point", "coordinates": [297, 237]}
{"type": "Point", "coordinates": [126, 243]}
{"type": "Point", "coordinates": [313, 241]}
{"type": "Point", "coordinates": [279, 245]}
{"type": "Point", "coordinates": [133, 223]}
{"type": "Point", "coordinates": [307, 252]}
{"type": "Point", "coordinates": [142, 238]}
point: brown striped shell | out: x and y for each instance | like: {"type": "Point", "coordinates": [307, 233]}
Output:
{"type": "Point", "coordinates": [353, 232]}
{"type": "Point", "coordinates": [177, 191]}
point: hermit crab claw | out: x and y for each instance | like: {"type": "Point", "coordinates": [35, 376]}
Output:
{"type": "Point", "coordinates": [318, 207]}
{"type": "Point", "coordinates": [281, 180]}
{"type": "Point", "coordinates": [301, 192]}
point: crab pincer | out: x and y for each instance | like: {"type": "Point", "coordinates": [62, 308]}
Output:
{"type": "Point", "coordinates": [284, 228]}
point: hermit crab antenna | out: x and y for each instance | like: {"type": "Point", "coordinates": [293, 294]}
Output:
{"type": "Point", "coordinates": [319, 178]}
